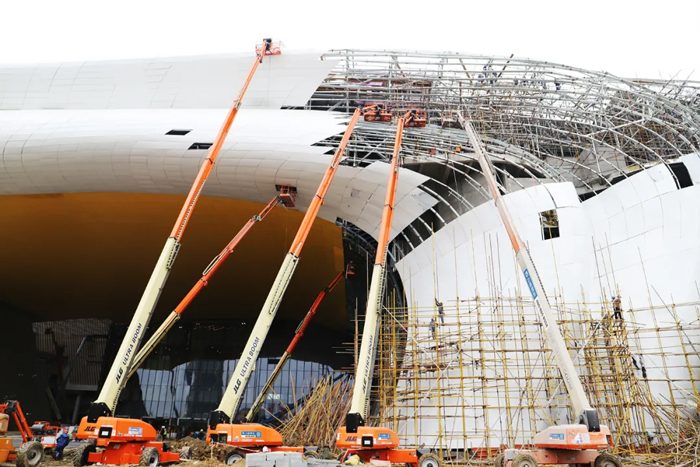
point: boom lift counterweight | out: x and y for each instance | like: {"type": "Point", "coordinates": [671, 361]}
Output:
{"type": "Point", "coordinates": [220, 427]}
{"type": "Point", "coordinates": [126, 441]}
{"type": "Point", "coordinates": [573, 444]}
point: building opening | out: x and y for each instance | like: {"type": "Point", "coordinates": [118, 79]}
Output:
{"type": "Point", "coordinates": [549, 221]}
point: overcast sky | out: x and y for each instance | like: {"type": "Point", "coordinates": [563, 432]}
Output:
{"type": "Point", "coordinates": [658, 39]}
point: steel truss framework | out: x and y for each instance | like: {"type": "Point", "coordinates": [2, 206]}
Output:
{"type": "Point", "coordinates": [541, 122]}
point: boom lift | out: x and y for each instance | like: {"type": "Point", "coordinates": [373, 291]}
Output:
{"type": "Point", "coordinates": [31, 451]}
{"type": "Point", "coordinates": [124, 441]}
{"type": "Point", "coordinates": [255, 436]}
{"type": "Point", "coordinates": [287, 197]}
{"type": "Point", "coordinates": [288, 353]}
{"type": "Point", "coordinates": [572, 444]}
{"type": "Point", "coordinates": [374, 442]}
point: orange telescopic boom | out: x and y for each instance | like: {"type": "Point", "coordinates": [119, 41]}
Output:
{"type": "Point", "coordinates": [204, 281]}
{"type": "Point", "coordinates": [288, 353]}
{"type": "Point", "coordinates": [371, 443]}
{"type": "Point", "coordinates": [213, 154]}
{"type": "Point", "coordinates": [133, 441]}
{"type": "Point", "coordinates": [365, 365]}
{"type": "Point", "coordinates": [579, 443]}
{"type": "Point", "coordinates": [220, 419]}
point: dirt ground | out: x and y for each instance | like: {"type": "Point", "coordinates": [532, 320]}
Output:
{"type": "Point", "coordinates": [200, 451]}
{"type": "Point", "coordinates": [201, 455]}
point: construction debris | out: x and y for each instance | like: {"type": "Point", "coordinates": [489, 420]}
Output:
{"type": "Point", "coordinates": [316, 422]}
{"type": "Point", "coordinates": [198, 450]}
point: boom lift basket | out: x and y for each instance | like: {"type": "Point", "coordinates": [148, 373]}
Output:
{"type": "Point", "coordinates": [377, 113]}
{"type": "Point", "coordinates": [415, 118]}
{"type": "Point", "coordinates": [270, 47]}
{"type": "Point", "coordinates": [288, 195]}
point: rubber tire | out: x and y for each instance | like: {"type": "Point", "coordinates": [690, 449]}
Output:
{"type": "Point", "coordinates": [30, 454]}
{"type": "Point", "coordinates": [233, 456]}
{"type": "Point", "coordinates": [429, 460]}
{"type": "Point", "coordinates": [185, 453]}
{"type": "Point", "coordinates": [80, 455]}
{"type": "Point", "coordinates": [524, 460]}
{"type": "Point", "coordinates": [500, 460]}
{"type": "Point", "coordinates": [326, 453]}
{"type": "Point", "coordinates": [607, 460]}
{"type": "Point", "coordinates": [150, 457]}
{"type": "Point", "coordinates": [312, 455]}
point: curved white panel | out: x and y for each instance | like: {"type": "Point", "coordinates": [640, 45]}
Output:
{"type": "Point", "coordinates": [205, 81]}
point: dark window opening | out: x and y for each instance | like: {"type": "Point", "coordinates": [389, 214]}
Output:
{"type": "Point", "coordinates": [683, 179]}
{"type": "Point", "coordinates": [549, 221]}
{"type": "Point", "coordinates": [178, 132]}
{"type": "Point", "coordinates": [200, 146]}
{"type": "Point", "coordinates": [589, 194]}
{"type": "Point", "coordinates": [620, 178]}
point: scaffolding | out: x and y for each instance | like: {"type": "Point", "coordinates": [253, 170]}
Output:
{"type": "Point", "coordinates": [483, 374]}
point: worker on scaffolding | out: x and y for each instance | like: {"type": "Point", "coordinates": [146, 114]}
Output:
{"type": "Point", "coordinates": [441, 310]}
{"type": "Point", "coordinates": [617, 307]}
{"type": "Point", "coordinates": [641, 365]}
{"type": "Point", "coordinates": [431, 326]}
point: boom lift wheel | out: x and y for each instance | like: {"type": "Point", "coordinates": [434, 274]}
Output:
{"type": "Point", "coordinates": [524, 460]}
{"type": "Point", "coordinates": [186, 453]}
{"type": "Point", "coordinates": [429, 460]}
{"type": "Point", "coordinates": [30, 454]}
{"type": "Point", "coordinates": [607, 460]}
{"type": "Point", "coordinates": [233, 457]}
{"type": "Point", "coordinates": [309, 454]}
{"type": "Point", "coordinates": [80, 456]}
{"type": "Point", "coordinates": [149, 457]}
{"type": "Point", "coordinates": [500, 459]}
